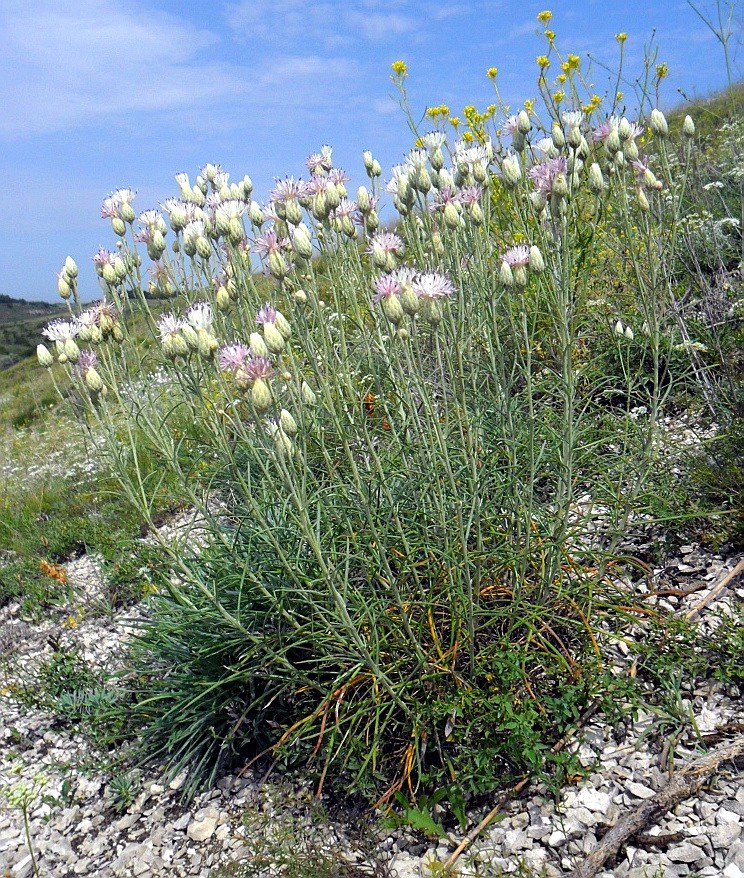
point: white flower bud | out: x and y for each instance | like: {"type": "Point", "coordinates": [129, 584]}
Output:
{"type": "Point", "coordinates": [628, 333]}
{"type": "Point", "coordinates": [363, 199]}
{"type": "Point", "coordinates": [255, 214]}
{"type": "Point", "coordinates": [282, 324]}
{"type": "Point", "coordinates": [368, 161]}
{"type": "Point", "coordinates": [308, 395]}
{"type": "Point", "coordinates": [523, 122]}
{"type": "Point", "coordinates": [287, 423]}
{"type": "Point", "coordinates": [506, 276]}
{"type": "Point", "coordinates": [623, 129]}
{"type": "Point", "coordinates": [119, 226]}
{"type": "Point", "coordinates": [44, 357]}
{"type": "Point", "coordinates": [511, 171]}
{"type": "Point", "coordinates": [273, 338]}
{"type": "Point", "coordinates": [642, 200]}
{"type": "Point", "coordinates": [688, 127]}
{"type": "Point", "coordinates": [619, 329]}
{"type": "Point", "coordinates": [93, 380]}
{"type": "Point", "coordinates": [559, 138]}
{"type": "Point", "coordinates": [71, 350]}
{"type": "Point", "coordinates": [537, 263]}
{"type": "Point", "coordinates": [658, 123]}
{"type": "Point", "coordinates": [596, 180]}
{"type": "Point", "coordinates": [63, 287]}
{"type": "Point", "coordinates": [258, 345]}
{"type": "Point", "coordinates": [71, 269]}
{"type": "Point", "coordinates": [392, 309]}
{"type": "Point", "coordinates": [260, 395]}
{"type": "Point", "coordinates": [301, 242]}
{"type": "Point", "coordinates": [376, 169]}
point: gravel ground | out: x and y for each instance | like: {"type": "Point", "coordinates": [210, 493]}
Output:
{"type": "Point", "coordinates": [77, 829]}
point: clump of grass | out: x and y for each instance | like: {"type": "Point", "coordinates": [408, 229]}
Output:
{"type": "Point", "coordinates": [414, 454]}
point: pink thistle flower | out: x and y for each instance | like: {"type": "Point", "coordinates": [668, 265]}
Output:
{"type": "Point", "coordinates": [389, 242]}
{"type": "Point", "coordinates": [603, 131]}
{"type": "Point", "coordinates": [112, 205]}
{"type": "Point", "coordinates": [319, 163]}
{"type": "Point", "coordinates": [386, 287]}
{"type": "Point", "coordinates": [338, 176]}
{"type": "Point", "coordinates": [103, 257]}
{"type": "Point", "coordinates": [444, 196]}
{"type": "Point", "coordinates": [258, 367]}
{"type": "Point", "coordinates": [346, 208]}
{"type": "Point", "coordinates": [86, 360]}
{"type": "Point", "coordinates": [543, 174]}
{"type": "Point", "coordinates": [471, 195]}
{"type": "Point", "coordinates": [267, 243]}
{"type": "Point", "coordinates": [433, 285]}
{"type": "Point", "coordinates": [232, 357]}
{"type": "Point", "coordinates": [266, 314]}
{"type": "Point", "coordinates": [511, 125]}
{"type": "Point", "coordinates": [404, 276]}
{"type": "Point", "coordinates": [518, 256]}
{"type": "Point", "coordinates": [289, 189]}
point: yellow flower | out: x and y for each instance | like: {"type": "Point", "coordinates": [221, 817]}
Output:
{"type": "Point", "coordinates": [454, 121]}
{"type": "Point", "coordinates": [565, 67]}
{"type": "Point", "coordinates": [399, 67]}
{"type": "Point", "coordinates": [561, 78]}
{"type": "Point", "coordinates": [491, 72]}
{"type": "Point", "coordinates": [544, 16]}
{"type": "Point", "coordinates": [529, 105]}
{"type": "Point", "coordinates": [662, 70]}
{"type": "Point", "coordinates": [573, 62]}
{"type": "Point", "coordinates": [559, 96]}
{"type": "Point", "coordinates": [543, 62]}
{"type": "Point", "coordinates": [619, 96]}
{"type": "Point", "coordinates": [550, 34]}
{"type": "Point", "coordinates": [418, 143]}
{"type": "Point", "coordinates": [621, 37]}
{"type": "Point", "coordinates": [467, 136]}
{"type": "Point", "coordinates": [595, 101]}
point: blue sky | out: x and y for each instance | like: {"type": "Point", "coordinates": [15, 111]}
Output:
{"type": "Point", "coordinates": [98, 94]}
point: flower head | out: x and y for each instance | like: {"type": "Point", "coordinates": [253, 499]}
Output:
{"type": "Point", "coordinates": [433, 285]}
{"type": "Point", "coordinates": [319, 163]}
{"type": "Point", "coordinates": [543, 174]}
{"type": "Point", "coordinates": [232, 357]}
{"type": "Point", "coordinates": [603, 131]}
{"type": "Point", "coordinates": [61, 330]}
{"type": "Point", "coordinates": [258, 367]}
{"type": "Point", "coordinates": [289, 189]}
{"type": "Point", "coordinates": [517, 256]}
{"type": "Point", "coordinates": [267, 243]}
{"type": "Point", "coordinates": [169, 325]}
{"type": "Point", "coordinates": [266, 314]}
{"type": "Point", "coordinates": [86, 360]}
{"type": "Point", "coordinates": [386, 286]}
{"type": "Point", "coordinates": [388, 242]}
{"type": "Point", "coordinates": [199, 315]}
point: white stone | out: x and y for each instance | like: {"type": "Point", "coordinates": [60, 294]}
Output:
{"type": "Point", "coordinates": [594, 800]}
{"type": "Point", "coordinates": [640, 791]}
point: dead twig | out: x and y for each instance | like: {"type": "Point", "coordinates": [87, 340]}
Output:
{"type": "Point", "coordinates": [685, 783]}
{"type": "Point", "coordinates": [716, 593]}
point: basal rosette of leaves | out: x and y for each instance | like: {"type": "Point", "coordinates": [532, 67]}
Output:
{"type": "Point", "coordinates": [409, 481]}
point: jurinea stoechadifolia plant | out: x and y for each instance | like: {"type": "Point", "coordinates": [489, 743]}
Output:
{"type": "Point", "coordinates": [409, 473]}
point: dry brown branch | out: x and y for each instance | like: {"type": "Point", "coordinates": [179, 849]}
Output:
{"type": "Point", "coordinates": [716, 593]}
{"type": "Point", "coordinates": [685, 783]}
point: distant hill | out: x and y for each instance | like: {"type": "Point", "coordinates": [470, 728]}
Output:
{"type": "Point", "coordinates": [21, 323]}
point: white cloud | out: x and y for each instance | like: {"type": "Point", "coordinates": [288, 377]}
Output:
{"type": "Point", "coordinates": [66, 65]}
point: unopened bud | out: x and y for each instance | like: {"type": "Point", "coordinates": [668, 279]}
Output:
{"type": "Point", "coordinates": [658, 123]}
{"type": "Point", "coordinates": [71, 350]}
{"type": "Point", "coordinates": [376, 169]}
{"type": "Point", "coordinates": [642, 200]}
{"type": "Point", "coordinates": [511, 171]}
{"type": "Point", "coordinates": [44, 357]}
{"type": "Point", "coordinates": [287, 423]}
{"type": "Point", "coordinates": [596, 180]}
{"type": "Point", "coordinates": [688, 127]}
{"type": "Point", "coordinates": [368, 161]}
{"type": "Point", "coordinates": [301, 241]}
{"type": "Point", "coordinates": [71, 269]}
{"type": "Point", "coordinates": [255, 214]}
{"type": "Point", "coordinates": [628, 333]}
{"type": "Point", "coordinates": [258, 345]}
{"type": "Point", "coordinates": [93, 380]}
{"type": "Point", "coordinates": [523, 122]}
{"type": "Point", "coordinates": [559, 138]}
{"type": "Point", "coordinates": [308, 394]}
{"type": "Point", "coordinates": [624, 130]}
{"type": "Point", "coordinates": [392, 309]}
{"type": "Point", "coordinates": [537, 263]}
{"type": "Point", "coordinates": [619, 329]}
{"type": "Point", "coordinates": [63, 287]}
{"type": "Point", "coordinates": [282, 324]}
{"type": "Point", "coordinates": [260, 395]}
{"type": "Point", "coordinates": [363, 199]}
{"type": "Point", "coordinates": [222, 299]}
{"type": "Point", "coordinates": [273, 338]}
{"type": "Point", "coordinates": [506, 276]}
